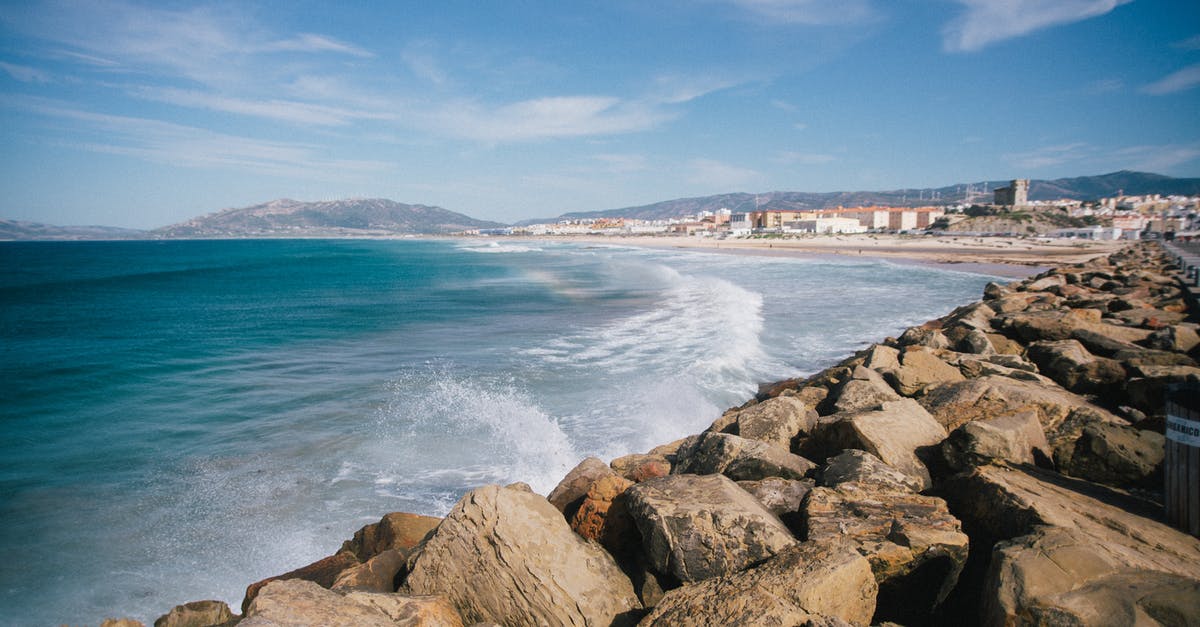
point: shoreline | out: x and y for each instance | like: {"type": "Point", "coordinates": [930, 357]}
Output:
{"type": "Point", "coordinates": [1000, 256]}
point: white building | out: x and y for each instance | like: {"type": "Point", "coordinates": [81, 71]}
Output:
{"type": "Point", "coordinates": [828, 225]}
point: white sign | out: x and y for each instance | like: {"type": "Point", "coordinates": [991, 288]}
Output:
{"type": "Point", "coordinates": [1183, 430]}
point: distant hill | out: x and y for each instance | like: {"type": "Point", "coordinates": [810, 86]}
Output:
{"type": "Point", "coordinates": [18, 230]}
{"type": "Point", "coordinates": [1079, 188]}
{"type": "Point", "coordinates": [338, 218]}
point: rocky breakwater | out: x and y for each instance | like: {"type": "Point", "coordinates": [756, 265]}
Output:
{"type": "Point", "coordinates": [1000, 465]}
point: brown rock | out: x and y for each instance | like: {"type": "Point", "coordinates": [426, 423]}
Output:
{"type": "Point", "coordinates": [865, 389]}
{"type": "Point", "coordinates": [1017, 438]}
{"type": "Point", "coordinates": [298, 602]}
{"type": "Point", "coordinates": [919, 370]}
{"type": "Point", "coordinates": [322, 572]}
{"type": "Point", "coordinates": [1074, 368]}
{"type": "Point", "coordinates": [604, 517]}
{"type": "Point", "coordinates": [507, 555]}
{"type": "Point", "coordinates": [398, 530]}
{"type": "Point", "coordinates": [738, 458]}
{"type": "Point", "coordinates": [855, 466]}
{"type": "Point", "coordinates": [1177, 337]}
{"type": "Point", "coordinates": [898, 434]}
{"type": "Point", "coordinates": [378, 574]}
{"type": "Point", "coordinates": [569, 492]}
{"type": "Point", "coordinates": [196, 614]}
{"type": "Point", "coordinates": [639, 467]}
{"type": "Point", "coordinates": [783, 497]}
{"type": "Point", "coordinates": [986, 397]}
{"type": "Point", "coordinates": [923, 336]}
{"type": "Point", "coordinates": [776, 421]}
{"type": "Point", "coordinates": [695, 527]}
{"type": "Point", "coordinates": [916, 548]}
{"type": "Point", "coordinates": [803, 583]}
{"type": "Point", "coordinates": [882, 358]}
{"type": "Point", "coordinates": [121, 622]}
{"type": "Point", "coordinates": [1117, 455]}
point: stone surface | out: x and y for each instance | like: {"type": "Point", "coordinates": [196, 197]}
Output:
{"type": "Point", "coordinates": [694, 527]}
{"type": "Point", "coordinates": [1177, 338]}
{"type": "Point", "coordinates": [324, 572]}
{"type": "Point", "coordinates": [986, 397]}
{"type": "Point", "coordinates": [916, 548]}
{"type": "Point", "coordinates": [121, 622]}
{"type": "Point", "coordinates": [639, 467]}
{"type": "Point", "coordinates": [505, 554]}
{"type": "Point", "coordinates": [775, 421]}
{"type": "Point", "coordinates": [377, 574]}
{"type": "Point", "coordinates": [899, 433]}
{"type": "Point", "coordinates": [783, 497]}
{"type": "Point", "coordinates": [299, 603]}
{"type": "Point", "coordinates": [738, 458]}
{"type": "Point", "coordinates": [803, 583]}
{"type": "Point", "coordinates": [976, 341]}
{"type": "Point", "coordinates": [1017, 438]}
{"type": "Point", "coordinates": [923, 336]}
{"type": "Point", "coordinates": [1117, 455]}
{"type": "Point", "coordinates": [881, 358]}
{"type": "Point", "coordinates": [569, 492]}
{"type": "Point", "coordinates": [397, 530]}
{"type": "Point", "coordinates": [865, 389]}
{"type": "Point", "coordinates": [862, 467]}
{"type": "Point", "coordinates": [196, 614]}
{"type": "Point", "coordinates": [604, 517]}
{"type": "Point", "coordinates": [919, 370]}
{"type": "Point", "coordinates": [1074, 368]}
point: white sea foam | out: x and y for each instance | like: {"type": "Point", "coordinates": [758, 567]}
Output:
{"type": "Point", "coordinates": [497, 247]}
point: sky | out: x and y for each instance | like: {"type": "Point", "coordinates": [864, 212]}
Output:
{"type": "Point", "coordinates": [140, 115]}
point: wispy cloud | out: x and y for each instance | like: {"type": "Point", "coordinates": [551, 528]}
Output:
{"type": "Point", "coordinates": [1047, 156]}
{"type": "Point", "coordinates": [1146, 157]}
{"type": "Point", "coordinates": [273, 109]}
{"type": "Point", "coordinates": [1182, 80]}
{"type": "Point", "coordinates": [985, 22]}
{"type": "Point", "coordinates": [804, 158]}
{"type": "Point", "coordinates": [25, 74]}
{"type": "Point", "coordinates": [546, 118]}
{"type": "Point", "coordinates": [678, 89]}
{"type": "Point", "coordinates": [311, 42]}
{"type": "Point", "coordinates": [809, 12]}
{"type": "Point", "coordinates": [623, 163]}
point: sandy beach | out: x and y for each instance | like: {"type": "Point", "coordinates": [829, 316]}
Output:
{"type": "Point", "coordinates": [1008, 256]}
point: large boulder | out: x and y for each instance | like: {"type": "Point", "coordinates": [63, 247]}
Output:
{"type": "Point", "coordinates": [638, 467]}
{"type": "Point", "coordinates": [986, 397]}
{"type": "Point", "coordinates": [920, 369]}
{"type": "Point", "coordinates": [1180, 338]}
{"type": "Point", "coordinates": [397, 530]}
{"type": "Point", "coordinates": [738, 458]}
{"type": "Point", "coordinates": [1017, 438]}
{"type": "Point", "coordinates": [506, 555]}
{"type": "Point", "coordinates": [1074, 368]}
{"type": "Point", "coordinates": [776, 421]}
{"type": "Point", "coordinates": [900, 433]}
{"type": "Point", "coordinates": [569, 492]}
{"type": "Point", "coordinates": [916, 548]}
{"type": "Point", "coordinates": [196, 614]}
{"type": "Point", "coordinates": [695, 527]}
{"type": "Point", "coordinates": [1117, 455]}
{"type": "Point", "coordinates": [299, 603]}
{"type": "Point", "coordinates": [378, 574]}
{"type": "Point", "coordinates": [865, 389]}
{"type": "Point", "coordinates": [323, 572]}
{"type": "Point", "coordinates": [855, 466]}
{"type": "Point", "coordinates": [803, 583]}
{"type": "Point", "coordinates": [604, 517]}
{"type": "Point", "coordinates": [783, 497]}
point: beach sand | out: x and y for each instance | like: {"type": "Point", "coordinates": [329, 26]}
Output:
{"type": "Point", "coordinates": [1005, 256]}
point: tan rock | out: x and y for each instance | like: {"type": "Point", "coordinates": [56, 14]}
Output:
{"type": "Point", "coordinates": [378, 574]}
{"type": "Point", "coordinates": [297, 603]}
{"type": "Point", "coordinates": [920, 369]}
{"type": "Point", "coordinates": [882, 358]}
{"type": "Point", "coordinates": [1117, 455]}
{"type": "Point", "coordinates": [322, 572]}
{"type": "Point", "coordinates": [695, 527]}
{"type": "Point", "coordinates": [895, 434]}
{"type": "Point", "coordinates": [738, 458]}
{"type": "Point", "coordinates": [507, 555]}
{"type": "Point", "coordinates": [956, 404]}
{"type": "Point", "coordinates": [775, 421]}
{"type": "Point", "coordinates": [1017, 438]}
{"type": "Point", "coordinates": [916, 548]}
{"type": "Point", "coordinates": [196, 614]}
{"type": "Point", "coordinates": [783, 497]}
{"type": "Point", "coordinates": [604, 517]}
{"type": "Point", "coordinates": [864, 390]}
{"type": "Point", "coordinates": [1074, 368]}
{"type": "Point", "coordinates": [803, 583]}
{"type": "Point", "coordinates": [121, 622]}
{"type": "Point", "coordinates": [855, 466]}
{"type": "Point", "coordinates": [397, 530]}
{"type": "Point", "coordinates": [639, 467]}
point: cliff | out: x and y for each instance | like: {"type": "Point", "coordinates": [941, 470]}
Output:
{"type": "Point", "coordinates": [1000, 465]}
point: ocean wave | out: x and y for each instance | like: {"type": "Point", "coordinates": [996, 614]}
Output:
{"type": "Point", "coordinates": [497, 247]}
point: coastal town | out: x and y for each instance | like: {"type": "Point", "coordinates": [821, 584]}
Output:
{"type": "Point", "coordinates": [1010, 214]}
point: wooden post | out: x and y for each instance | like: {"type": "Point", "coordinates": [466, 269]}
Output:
{"type": "Point", "coordinates": [1181, 464]}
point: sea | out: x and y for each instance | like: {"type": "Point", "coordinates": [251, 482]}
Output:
{"type": "Point", "coordinates": [182, 418]}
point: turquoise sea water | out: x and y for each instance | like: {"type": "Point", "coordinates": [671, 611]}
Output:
{"type": "Point", "coordinates": [182, 418]}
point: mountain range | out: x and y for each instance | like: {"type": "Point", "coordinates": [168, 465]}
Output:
{"type": "Point", "coordinates": [378, 217]}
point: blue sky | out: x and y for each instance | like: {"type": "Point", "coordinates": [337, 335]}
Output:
{"type": "Point", "coordinates": [141, 115]}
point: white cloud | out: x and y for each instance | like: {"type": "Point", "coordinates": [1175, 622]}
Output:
{"type": "Point", "coordinates": [25, 74]}
{"type": "Point", "coordinates": [985, 22]}
{"type": "Point", "coordinates": [713, 174]}
{"type": "Point", "coordinates": [274, 109]}
{"type": "Point", "coordinates": [809, 12]}
{"type": "Point", "coordinates": [546, 118]}
{"type": "Point", "coordinates": [682, 89]}
{"type": "Point", "coordinates": [311, 42]}
{"type": "Point", "coordinates": [1047, 156]}
{"type": "Point", "coordinates": [1184, 79]}
{"type": "Point", "coordinates": [1162, 158]}
{"type": "Point", "coordinates": [1087, 157]}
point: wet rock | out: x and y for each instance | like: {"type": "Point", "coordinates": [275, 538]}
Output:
{"type": "Point", "coordinates": [507, 555]}
{"type": "Point", "coordinates": [738, 458]}
{"type": "Point", "coordinates": [397, 530]}
{"type": "Point", "coordinates": [694, 527]}
{"type": "Point", "coordinates": [196, 614]}
{"type": "Point", "coordinates": [1017, 438]}
{"type": "Point", "coordinates": [855, 466]}
{"type": "Point", "coordinates": [299, 602]}
{"type": "Point", "coordinates": [803, 583]}
{"type": "Point", "coordinates": [569, 493]}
